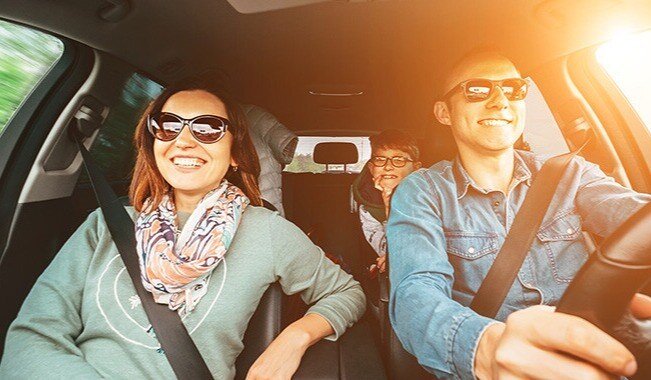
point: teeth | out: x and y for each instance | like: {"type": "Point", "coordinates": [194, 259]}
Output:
{"type": "Point", "coordinates": [494, 122]}
{"type": "Point", "coordinates": [187, 161]}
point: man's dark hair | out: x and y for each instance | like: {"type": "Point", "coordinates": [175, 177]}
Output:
{"type": "Point", "coordinates": [396, 139]}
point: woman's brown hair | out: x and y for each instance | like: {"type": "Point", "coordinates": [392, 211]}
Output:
{"type": "Point", "coordinates": [147, 181]}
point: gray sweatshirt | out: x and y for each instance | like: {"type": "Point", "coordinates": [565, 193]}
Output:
{"type": "Point", "coordinates": [83, 318]}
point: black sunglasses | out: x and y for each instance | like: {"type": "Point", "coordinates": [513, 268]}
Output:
{"type": "Point", "coordinates": [397, 161]}
{"type": "Point", "coordinates": [476, 90]}
{"type": "Point", "coordinates": [206, 129]}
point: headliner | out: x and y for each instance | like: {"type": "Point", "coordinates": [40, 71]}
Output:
{"type": "Point", "coordinates": [391, 50]}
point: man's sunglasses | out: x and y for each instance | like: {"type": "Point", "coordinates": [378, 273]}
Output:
{"type": "Point", "coordinates": [206, 129]}
{"type": "Point", "coordinates": [396, 161]}
{"type": "Point", "coordinates": [476, 90]}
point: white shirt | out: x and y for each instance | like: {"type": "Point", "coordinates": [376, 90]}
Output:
{"type": "Point", "coordinates": [374, 231]}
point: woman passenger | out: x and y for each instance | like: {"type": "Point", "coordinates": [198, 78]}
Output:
{"type": "Point", "coordinates": [206, 248]}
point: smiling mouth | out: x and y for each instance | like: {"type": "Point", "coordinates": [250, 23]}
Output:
{"type": "Point", "coordinates": [494, 122]}
{"type": "Point", "coordinates": [389, 176]}
{"type": "Point", "coordinates": [187, 162]}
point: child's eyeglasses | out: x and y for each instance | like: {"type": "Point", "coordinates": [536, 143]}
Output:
{"type": "Point", "coordinates": [397, 161]}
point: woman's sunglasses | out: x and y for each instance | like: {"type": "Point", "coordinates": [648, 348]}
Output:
{"type": "Point", "coordinates": [206, 129]}
{"type": "Point", "coordinates": [476, 90]}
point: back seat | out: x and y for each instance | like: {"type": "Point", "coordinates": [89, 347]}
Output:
{"type": "Point", "coordinates": [320, 204]}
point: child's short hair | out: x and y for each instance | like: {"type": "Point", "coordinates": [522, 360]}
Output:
{"type": "Point", "coordinates": [396, 139]}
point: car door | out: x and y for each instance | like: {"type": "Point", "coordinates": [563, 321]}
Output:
{"type": "Point", "coordinates": [62, 83]}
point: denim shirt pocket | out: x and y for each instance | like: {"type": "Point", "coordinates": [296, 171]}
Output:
{"type": "Point", "coordinates": [470, 245]}
{"type": "Point", "coordinates": [471, 255]}
{"type": "Point", "coordinates": [563, 244]}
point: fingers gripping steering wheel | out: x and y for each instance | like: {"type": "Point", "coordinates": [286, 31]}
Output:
{"type": "Point", "coordinates": [605, 285]}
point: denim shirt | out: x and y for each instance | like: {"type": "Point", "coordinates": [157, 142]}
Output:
{"type": "Point", "coordinates": [444, 233]}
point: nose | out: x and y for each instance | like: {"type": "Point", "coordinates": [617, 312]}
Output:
{"type": "Point", "coordinates": [388, 165]}
{"type": "Point", "coordinates": [185, 138]}
{"type": "Point", "coordinates": [497, 99]}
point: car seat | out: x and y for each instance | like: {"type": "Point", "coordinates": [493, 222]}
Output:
{"type": "Point", "coordinates": [400, 363]}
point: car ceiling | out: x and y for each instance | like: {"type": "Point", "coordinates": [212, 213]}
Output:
{"type": "Point", "coordinates": [392, 51]}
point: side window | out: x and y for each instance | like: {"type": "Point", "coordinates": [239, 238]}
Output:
{"type": "Point", "coordinates": [541, 130]}
{"type": "Point", "coordinates": [627, 61]}
{"type": "Point", "coordinates": [304, 163]}
{"type": "Point", "coordinates": [113, 148]}
{"type": "Point", "coordinates": [26, 55]}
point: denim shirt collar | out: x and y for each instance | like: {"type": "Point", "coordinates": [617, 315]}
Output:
{"type": "Point", "coordinates": [463, 181]}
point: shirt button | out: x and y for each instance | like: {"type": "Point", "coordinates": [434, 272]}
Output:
{"type": "Point", "coordinates": [570, 231]}
{"type": "Point", "coordinates": [471, 250]}
{"type": "Point", "coordinates": [496, 203]}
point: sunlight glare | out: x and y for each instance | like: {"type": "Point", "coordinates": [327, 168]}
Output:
{"type": "Point", "coordinates": [627, 59]}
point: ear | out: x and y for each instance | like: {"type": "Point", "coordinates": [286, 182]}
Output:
{"type": "Point", "coordinates": [418, 165]}
{"type": "Point", "coordinates": [442, 113]}
{"type": "Point", "coordinates": [233, 162]}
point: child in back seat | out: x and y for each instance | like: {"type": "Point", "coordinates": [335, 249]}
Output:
{"type": "Point", "coordinates": [394, 155]}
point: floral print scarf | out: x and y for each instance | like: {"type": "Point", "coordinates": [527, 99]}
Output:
{"type": "Point", "coordinates": [175, 265]}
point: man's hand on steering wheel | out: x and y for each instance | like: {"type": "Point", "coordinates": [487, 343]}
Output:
{"type": "Point", "coordinates": [537, 343]}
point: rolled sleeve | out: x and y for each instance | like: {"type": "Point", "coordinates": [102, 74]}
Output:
{"type": "Point", "coordinates": [469, 328]}
{"type": "Point", "coordinates": [603, 203]}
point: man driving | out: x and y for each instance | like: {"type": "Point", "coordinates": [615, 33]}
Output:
{"type": "Point", "coordinates": [448, 222]}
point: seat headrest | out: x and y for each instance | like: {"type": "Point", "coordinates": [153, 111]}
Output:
{"type": "Point", "coordinates": [335, 153]}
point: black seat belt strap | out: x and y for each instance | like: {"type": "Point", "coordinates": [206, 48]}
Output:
{"type": "Point", "coordinates": [500, 277]}
{"type": "Point", "coordinates": [180, 350]}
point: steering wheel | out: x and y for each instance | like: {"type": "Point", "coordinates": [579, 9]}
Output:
{"type": "Point", "coordinates": [605, 285]}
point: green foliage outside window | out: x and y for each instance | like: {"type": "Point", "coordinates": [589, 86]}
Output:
{"type": "Point", "coordinates": [304, 163]}
{"type": "Point", "coordinates": [25, 57]}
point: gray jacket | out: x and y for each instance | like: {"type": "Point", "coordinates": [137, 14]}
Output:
{"type": "Point", "coordinates": [275, 145]}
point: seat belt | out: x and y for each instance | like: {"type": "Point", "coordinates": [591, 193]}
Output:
{"type": "Point", "coordinates": [180, 350]}
{"type": "Point", "coordinates": [500, 277]}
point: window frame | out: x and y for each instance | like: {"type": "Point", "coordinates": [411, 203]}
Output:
{"type": "Point", "coordinates": [626, 133]}
{"type": "Point", "coordinates": [333, 134]}
{"type": "Point", "coordinates": [28, 128]}
{"type": "Point", "coordinates": [27, 109]}
{"type": "Point", "coordinates": [122, 182]}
